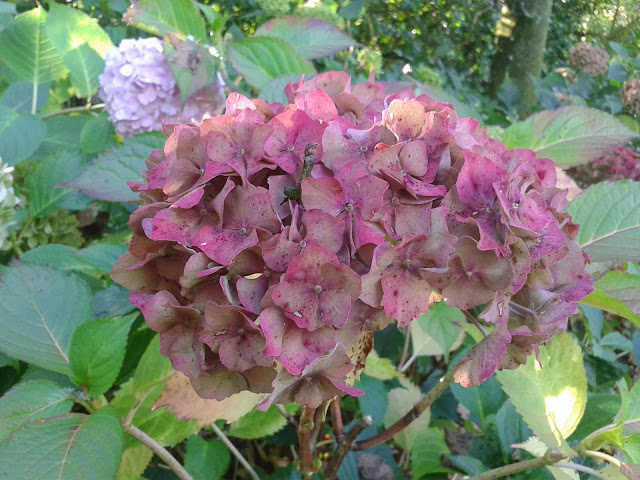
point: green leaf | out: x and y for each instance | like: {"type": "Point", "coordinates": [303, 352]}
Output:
{"type": "Point", "coordinates": [600, 410]}
{"type": "Point", "coordinates": [113, 301]}
{"type": "Point", "coordinates": [380, 368]}
{"type": "Point", "coordinates": [511, 428]}
{"type": "Point", "coordinates": [551, 397]}
{"type": "Point", "coordinates": [71, 446]}
{"type": "Point", "coordinates": [632, 448]}
{"type": "Point", "coordinates": [42, 186]}
{"type": "Point", "coordinates": [482, 400]}
{"type": "Point", "coordinates": [310, 37]}
{"type": "Point", "coordinates": [375, 400]}
{"type": "Point", "coordinates": [401, 400]}
{"type": "Point", "coordinates": [69, 28]}
{"type": "Point", "coordinates": [97, 135]}
{"type": "Point", "coordinates": [27, 51]}
{"type": "Point", "coordinates": [7, 12]}
{"type": "Point", "coordinates": [257, 424]}
{"type": "Point", "coordinates": [624, 287]}
{"type": "Point", "coordinates": [30, 401]}
{"type": "Point", "coordinates": [160, 17]}
{"type": "Point", "coordinates": [425, 456]}
{"type": "Point", "coordinates": [85, 66]}
{"type": "Point", "coordinates": [537, 448]}
{"type": "Point", "coordinates": [97, 351]}
{"type": "Point", "coordinates": [601, 373]}
{"type": "Point", "coordinates": [206, 460]}
{"type": "Point", "coordinates": [19, 96]}
{"type": "Point", "coordinates": [437, 331]}
{"type": "Point", "coordinates": [106, 177]}
{"type": "Point", "coordinates": [262, 59]}
{"type": "Point", "coordinates": [609, 219]}
{"type": "Point", "coordinates": [102, 256]}
{"type": "Point", "coordinates": [599, 299]}
{"type": "Point", "coordinates": [63, 133]}
{"type": "Point", "coordinates": [152, 370]}
{"type": "Point", "coordinates": [20, 135]}
{"type": "Point", "coordinates": [518, 135]}
{"type": "Point", "coordinates": [134, 462]}
{"type": "Point", "coordinates": [469, 465]}
{"type": "Point", "coordinates": [40, 308]}
{"type": "Point", "coordinates": [571, 135]}
{"type": "Point", "coordinates": [273, 90]}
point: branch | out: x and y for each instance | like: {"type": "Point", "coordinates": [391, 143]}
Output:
{"type": "Point", "coordinates": [64, 111]}
{"type": "Point", "coordinates": [547, 459]}
{"type": "Point", "coordinates": [159, 450]}
{"type": "Point", "coordinates": [305, 427]}
{"type": "Point", "coordinates": [425, 402]}
{"type": "Point", "coordinates": [344, 447]}
{"type": "Point", "coordinates": [336, 419]}
{"type": "Point", "coordinates": [234, 450]}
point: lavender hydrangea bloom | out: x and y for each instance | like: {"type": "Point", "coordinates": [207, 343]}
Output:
{"type": "Point", "coordinates": [138, 87]}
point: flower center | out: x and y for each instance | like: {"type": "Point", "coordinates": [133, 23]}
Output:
{"type": "Point", "coordinates": [244, 231]}
{"type": "Point", "coordinates": [395, 201]}
{"type": "Point", "coordinates": [348, 207]}
{"type": "Point", "coordinates": [318, 289]}
{"type": "Point", "coordinates": [303, 243]}
{"type": "Point", "coordinates": [364, 148]}
{"type": "Point", "coordinates": [406, 264]}
{"type": "Point", "coordinates": [291, 148]}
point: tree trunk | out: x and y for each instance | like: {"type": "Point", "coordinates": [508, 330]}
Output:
{"type": "Point", "coordinates": [521, 39]}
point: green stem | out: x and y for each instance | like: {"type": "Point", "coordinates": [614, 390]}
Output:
{"type": "Point", "coordinates": [235, 451]}
{"type": "Point", "coordinates": [517, 467]}
{"type": "Point", "coordinates": [64, 111]}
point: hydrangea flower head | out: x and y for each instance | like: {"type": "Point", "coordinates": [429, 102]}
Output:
{"type": "Point", "coordinates": [590, 59]}
{"type": "Point", "coordinates": [274, 238]}
{"type": "Point", "coordinates": [140, 91]}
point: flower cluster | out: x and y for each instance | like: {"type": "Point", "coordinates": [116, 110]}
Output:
{"type": "Point", "coordinates": [140, 91]}
{"type": "Point", "coordinates": [631, 96]}
{"type": "Point", "coordinates": [620, 164]}
{"type": "Point", "coordinates": [590, 59]}
{"type": "Point", "coordinates": [8, 202]}
{"type": "Point", "coordinates": [274, 237]}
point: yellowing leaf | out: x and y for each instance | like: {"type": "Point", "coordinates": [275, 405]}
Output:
{"type": "Point", "coordinates": [401, 400]}
{"type": "Point", "coordinates": [550, 396]}
{"type": "Point", "coordinates": [380, 368]}
{"type": "Point", "coordinates": [180, 398]}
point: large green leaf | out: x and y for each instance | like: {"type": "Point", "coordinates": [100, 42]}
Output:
{"type": "Point", "coordinates": [106, 178]}
{"type": "Point", "coordinates": [600, 299]}
{"type": "Point", "coordinates": [85, 65]}
{"type": "Point", "coordinates": [206, 460]}
{"type": "Point", "coordinates": [550, 396]}
{"type": "Point", "coordinates": [27, 51]}
{"type": "Point", "coordinates": [310, 37]}
{"type": "Point", "coordinates": [401, 400]}
{"type": "Point", "coordinates": [570, 135]}
{"type": "Point", "coordinates": [97, 351]}
{"type": "Point", "coordinates": [262, 59]}
{"type": "Point", "coordinates": [19, 96]}
{"type": "Point", "coordinates": [30, 401]}
{"type": "Point", "coordinates": [20, 135]}
{"type": "Point", "coordinates": [624, 287]}
{"type": "Point", "coordinates": [256, 424]}
{"type": "Point", "coordinates": [142, 391]}
{"type": "Point", "coordinates": [63, 133]}
{"type": "Point", "coordinates": [609, 219]}
{"type": "Point", "coordinates": [40, 307]}
{"type": "Point", "coordinates": [427, 452]}
{"type": "Point", "coordinates": [72, 446]}
{"type": "Point", "coordinates": [42, 186]}
{"type": "Point", "coordinates": [160, 17]}
{"type": "Point", "coordinates": [135, 460]}
{"type": "Point", "coordinates": [69, 28]}
{"type": "Point", "coordinates": [7, 12]}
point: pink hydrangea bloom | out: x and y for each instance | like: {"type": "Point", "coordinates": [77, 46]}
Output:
{"type": "Point", "coordinates": [273, 236]}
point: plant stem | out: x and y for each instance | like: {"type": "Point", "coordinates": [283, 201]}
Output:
{"type": "Point", "coordinates": [158, 449]}
{"type": "Point", "coordinates": [336, 419]}
{"type": "Point", "coordinates": [64, 111]}
{"type": "Point", "coordinates": [518, 467]}
{"type": "Point", "coordinates": [345, 446]}
{"type": "Point", "coordinates": [304, 441]}
{"type": "Point", "coordinates": [579, 468]}
{"type": "Point", "coordinates": [603, 456]}
{"type": "Point", "coordinates": [475, 321]}
{"type": "Point", "coordinates": [235, 451]}
{"type": "Point", "coordinates": [425, 402]}
{"type": "Point", "coordinates": [287, 415]}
